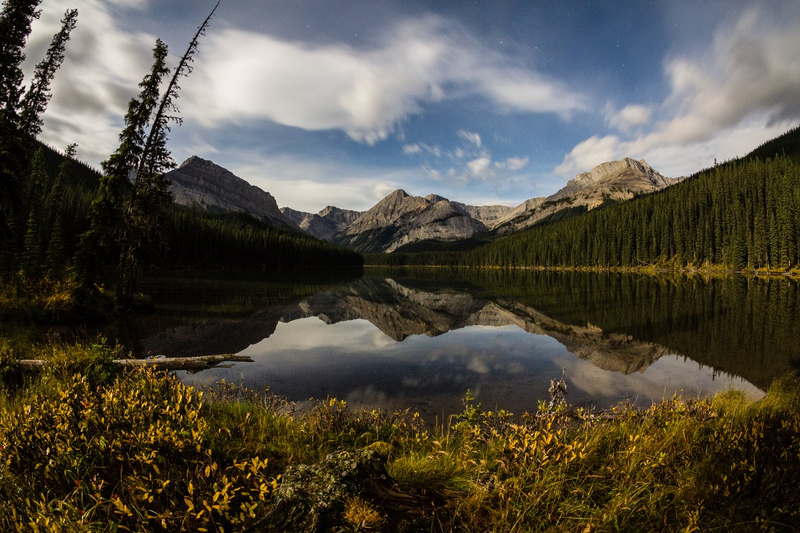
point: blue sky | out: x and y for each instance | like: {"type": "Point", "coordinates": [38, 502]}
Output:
{"type": "Point", "coordinates": [339, 103]}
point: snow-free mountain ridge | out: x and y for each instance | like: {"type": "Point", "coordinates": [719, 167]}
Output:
{"type": "Point", "coordinates": [201, 183]}
{"type": "Point", "coordinates": [323, 225]}
{"type": "Point", "coordinates": [401, 219]}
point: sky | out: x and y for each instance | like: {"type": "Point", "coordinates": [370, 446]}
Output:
{"type": "Point", "coordinates": [340, 103]}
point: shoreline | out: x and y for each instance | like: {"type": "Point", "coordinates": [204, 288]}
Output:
{"type": "Point", "coordinates": [793, 274]}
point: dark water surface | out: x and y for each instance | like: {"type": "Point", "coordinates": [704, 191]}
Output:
{"type": "Point", "coordinates": [396, 339]}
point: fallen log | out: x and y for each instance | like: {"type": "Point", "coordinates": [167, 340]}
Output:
{"type": "Point", "coordinates": [164, 363]}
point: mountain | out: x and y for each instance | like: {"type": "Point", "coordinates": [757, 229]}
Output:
{"type": "Point", "coordinates": [741, 215]}
{"type": "Point", "coordinates": [201, 183]}
{"type": "Point", "coordinates": [413, 223]}
{"type": "Point", "coordinates": [620, 179]}
{"type": "Point", "coordinates": [400, 219]}
{"type": "Point", "coordinates": [490, 215]}
{"type": "Point", "coordinates": [325, 224]}
{"type": "Point", "coordinates": [607, 183]}
{"type": "Point", "coordinates": [400, 311]}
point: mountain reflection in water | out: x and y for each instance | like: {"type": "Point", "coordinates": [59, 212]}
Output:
{"type": "Point", "coordinates": [396, 340]}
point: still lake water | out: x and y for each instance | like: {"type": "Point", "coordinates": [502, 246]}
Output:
{"type": "Point", "coordinates": [421, 338]}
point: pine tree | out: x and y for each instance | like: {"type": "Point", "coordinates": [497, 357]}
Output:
{"type": "Point", "coordinates": [145, 215]}
{"type": "Point", "coordinates": [15, 26]}
{"type": "Point", "coordinates": [32, 247]}
{"type": "Point", "coordinates": [35, 101]}
{"type": "Point", "coordinates": [56, 256]}
{"type": "Point", "coordinates": [98, 248]}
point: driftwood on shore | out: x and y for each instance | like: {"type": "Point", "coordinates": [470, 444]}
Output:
{"type": "Point", "coordinates": [164, 363]}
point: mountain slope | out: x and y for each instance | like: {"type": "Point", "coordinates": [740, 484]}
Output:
{"type": "Point", "coordinates": [611, 182]}
{"type": "Point", "coordinates": [401, 219]}
{"type": "Point", "coordinates": [606, 184]}
{"type": "Point", "coordinates": [406, 223]}
{"type": "Point", "coordinates": [323, 225]}
{"type": "Point", "coordinates": [203, 184]}
{"type": "Point", "coordinates": [743, 214]}
{"type": "Point", "coordinates": [787, 145]}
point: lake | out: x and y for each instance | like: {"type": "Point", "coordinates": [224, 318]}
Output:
{"type": "Point", "coordinates": [421, 338]}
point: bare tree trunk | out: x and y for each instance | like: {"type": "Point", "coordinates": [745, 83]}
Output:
{"type": "Point", "coordinates": [167, 363]}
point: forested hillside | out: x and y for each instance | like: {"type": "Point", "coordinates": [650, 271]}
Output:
{"type": "Point", "coordinates": [193, 238]}
{"type": "Point", "coordinates": [201, 239]}
{"type": "Point", "coordinates": [40, 264]}
{"type": "Point", "coordinates": [743, 213]}
{"type": "Point", "coordinates": [69, 233]}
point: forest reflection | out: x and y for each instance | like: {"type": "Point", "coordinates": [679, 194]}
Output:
{"type": "Point", "coordinates": [414, 335]}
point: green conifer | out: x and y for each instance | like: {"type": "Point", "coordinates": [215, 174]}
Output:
{"type": "Point", "coordinates": [32, 250]}
{"type": "Point", "coordinates": [35, 101]}
{"type": "Point", "coordinates": [15, 26]}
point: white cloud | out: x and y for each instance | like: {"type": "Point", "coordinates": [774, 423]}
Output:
{"type": "Point", "coordinates": [435, 175]}
{"type": "Point", "coordinates": [479, 168]}
{"type": "Point", "coordinates": [366, 93]}
{"type": "Point", "coordinates": [513, 163]}
{"type": "Point", "coordinates": [590, 153]}
{"type": "Point", "coordinates": [739, 93]}
{"type": "Point", "coordinates": [630, 116]}
{"type": "Point", "coordinates": [469, 163]}
{"type": "Point", "coordinates": [435, 151]}
{"type": "Point", "coordinates": [419, 148]}
{"type": "Point", "coordinates": [102, 68]}
{"type": "Point", "coordinates": [131, 4]}
{"type": "Point", "coordinates": [519, 90]}
{"type": "Point", "coordinates": [471, 137]}
{"type": "Point", "coordinates": [310, 186]}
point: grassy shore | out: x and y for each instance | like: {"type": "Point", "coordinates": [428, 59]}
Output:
{"type": "Point", "coordinates": [85, 447]}
{"type": "Point", "coordinates": [654, 269]}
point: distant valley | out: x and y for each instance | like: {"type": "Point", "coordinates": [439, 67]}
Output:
{"type": "Point", "coordinates": [411, 223]}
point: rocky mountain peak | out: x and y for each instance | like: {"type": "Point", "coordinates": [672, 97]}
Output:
{"type": "Point", "coordinates": [323, 225]}
{"type": "Point", "coordinates": [627, 174]}
{"type": "Point", "coordinates": [398, 194]}
{"type": "Point", "coordinates": [203, 184]}
{"type": "Point", "coordinates": [611, 181]}
{"type": "Point", "coordinates": [294, 215]}
{"type": "Point", "coordinates": [195, 160]}
{"type": "Point", "coordinates": [401, 219]}
{"type": "Point", "coordinates": [436, 198]}
{"type": "Point", "coordinates": [330, 210]}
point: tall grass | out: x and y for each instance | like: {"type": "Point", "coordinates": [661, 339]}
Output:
{"type": "Point", "coordinates": [95, 450]}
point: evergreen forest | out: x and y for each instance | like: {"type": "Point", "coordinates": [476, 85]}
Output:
{"type": "Point", "coordinates": [742, 214]}
{"type": "Point", "coordinates": [75, 233]}
{"type": "Point", "coordinates": [60, 191]}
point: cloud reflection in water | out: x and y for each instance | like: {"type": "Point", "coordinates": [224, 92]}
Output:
{"type": "Point", "coordinates": [503, 367]}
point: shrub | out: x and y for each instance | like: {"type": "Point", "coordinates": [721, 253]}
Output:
{"type": "Point", "coordinates": [130, 454]}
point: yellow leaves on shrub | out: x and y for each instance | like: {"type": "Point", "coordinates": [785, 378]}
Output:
{"type": "Point", "coordinates": [61, 297]}
{"type": "Point", "coordinates": [540, 447]}
{"type": "Point", "coordinates": [20, 296]}
{"type": "Point", "coordinates": [132, 452]}
{"type": "Point", "coordinates": [362, 514]}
